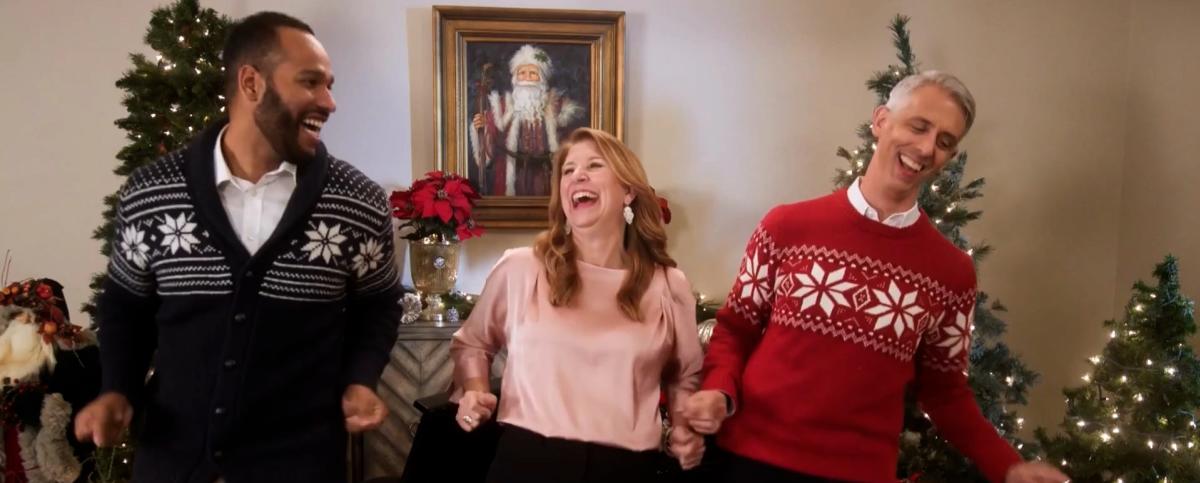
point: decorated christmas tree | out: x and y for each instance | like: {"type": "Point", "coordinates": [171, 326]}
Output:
{"type": "Point", "coordinates": [1134, 418]}
{"type": "Point", "coordinates": [998, 378]}
{"type": "Point", "coordinates": [169, 99]}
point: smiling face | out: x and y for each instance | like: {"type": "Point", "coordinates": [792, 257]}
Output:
{"type": "Point", "coordinates": [592, 197]}
{"type": "Point", "coordinates": [297, 96]}
{"type": "Point", "coordinates": [916, 140]}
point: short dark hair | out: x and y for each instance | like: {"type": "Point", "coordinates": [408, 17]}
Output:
{"type": "Point", "coordinates": [251, 41]}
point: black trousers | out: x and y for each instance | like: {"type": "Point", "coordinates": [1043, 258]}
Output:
{"type": "Point", "coordinates": [732, 468]}
{"type": "Point", "coordinates": [523, 456]}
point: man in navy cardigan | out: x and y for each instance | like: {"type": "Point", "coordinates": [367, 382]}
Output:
{"type": "Point", "coordinates": [257, 273]}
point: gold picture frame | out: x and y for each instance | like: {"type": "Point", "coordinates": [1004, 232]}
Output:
{"type": "Point", "coordinates": [487, 130]}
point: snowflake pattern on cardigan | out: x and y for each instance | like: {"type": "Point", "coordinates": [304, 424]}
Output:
{"type": "Point", "coordinates": [162, 247]}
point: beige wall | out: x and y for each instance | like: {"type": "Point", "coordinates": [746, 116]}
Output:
{"type": "Point", "coordinates": [734, 107]}
{"type": "Point", "coordinates": [1160, 200]}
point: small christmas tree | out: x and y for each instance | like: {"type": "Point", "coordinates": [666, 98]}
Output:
{"type": "Point", "coordinates": [998, 378]}
{"type": "Point", "coordinates": [169, 100]}
{"type": "Point", "coordinates": [1134, 418]}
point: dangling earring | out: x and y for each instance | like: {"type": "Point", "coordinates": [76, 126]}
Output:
{"type": "Point", "coordinates": [628, 215]}
{"type": "Point", "coordinates": [567, 229]}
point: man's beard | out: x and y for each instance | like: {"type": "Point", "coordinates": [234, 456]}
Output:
{"type": "Point", "coordinates": [281, 128]}
{"type": "Point", "coordinates": [529, 99]}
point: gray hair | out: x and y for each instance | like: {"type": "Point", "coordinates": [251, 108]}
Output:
{"type": "Point", "coordinates": [903, 90]}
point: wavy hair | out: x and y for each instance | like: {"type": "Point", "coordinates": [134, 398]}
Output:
{"type": "Point", "coordinates": [645, 240]}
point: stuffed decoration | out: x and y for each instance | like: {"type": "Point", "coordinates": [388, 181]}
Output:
{"type": "Point", "coordinates": [49, 369]}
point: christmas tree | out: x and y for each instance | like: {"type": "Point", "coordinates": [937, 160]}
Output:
{"type": "Point", "coordinates": [998, 378]}
{"type": "Point", "coordinates": [169, 99]}
{"type": "Point", "coordinates": [1134, 418]}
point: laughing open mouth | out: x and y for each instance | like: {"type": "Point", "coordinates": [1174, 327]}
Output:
{"type": "Point", "coordinates": [583, 198]}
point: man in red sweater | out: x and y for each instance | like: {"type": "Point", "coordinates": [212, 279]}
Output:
{"type": "Point", "coordinates": [840, 303]}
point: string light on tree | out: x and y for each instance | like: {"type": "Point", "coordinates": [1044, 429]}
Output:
{"type": "Point", "coordinates": [1143, 386]}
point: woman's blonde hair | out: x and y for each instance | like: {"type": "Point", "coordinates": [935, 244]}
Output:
{"type": "Point", "coordinates": [645, 241]}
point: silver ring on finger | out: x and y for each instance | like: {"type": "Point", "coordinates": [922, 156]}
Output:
{"type": "Point", "coordinates": [468, 419]}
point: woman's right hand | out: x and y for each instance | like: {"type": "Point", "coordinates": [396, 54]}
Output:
{"type": "Point", "coordinates": [475, 408]}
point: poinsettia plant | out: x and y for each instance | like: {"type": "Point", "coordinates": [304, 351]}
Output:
{"type": "Point", "coordinates": [438, 204]}
{"type": "Point", "coordinates": [666, 209]}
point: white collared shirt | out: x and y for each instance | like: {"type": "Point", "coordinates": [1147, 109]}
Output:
{"type": "Point", "coordinates": [903, 219]}
{"type": "Point", "coordinates": [254, 209]}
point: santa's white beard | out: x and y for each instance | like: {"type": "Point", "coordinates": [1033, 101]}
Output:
{"type": "Point", "coordinates": [528, 99]}
{"type": "Point", "coordinates": [23, 352]}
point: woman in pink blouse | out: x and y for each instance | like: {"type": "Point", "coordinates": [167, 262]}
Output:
{"type": "Point", "coordinates": [597, 322]}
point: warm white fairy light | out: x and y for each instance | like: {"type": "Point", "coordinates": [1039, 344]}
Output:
{"type": "Point", "coordinates": [1124, 378]}
{"type": "Point", "coordinates": [1020, 421]}
{"type": "Point", "coordinates": [181, 38]}
{"type": "Point", "coordinates": [1094, 359]}
{"type": "Point", "coordinates": [1191, 444]}
{"type": "Point", "coordinates": [1149, 362]}
{"type": "Point", "coordinates": [860, 164]}
{"type": "Point", "coordinates": [1087, 378]}
{"type": "Point", "coordinates": [1150, 443]}
{"type": "Point", "coordinates": [1174, 447]}
{"type": "Point", "coordinates": [971, 251]}
{"type": "Point", "coordinates": [1064, 462]}
{"type": "Point", "coordinates": [1170, 371]}
{"type": "Point", "coordinates": [1153, 296]}
{"type": "Point", "coordinates": [1009, 380]}
{"type": "Point", "coordinates": [1137, 397]}
{"type": "Point", "coordinates": [1081, 423]}
{"type": "Point", "coordinates": [1112, 335]}
{"type": "Point", "coordinates": [1138, 307]}
{"type": "Point", "coordinates": [153, 115]}
{"type": "Point", "coordinates": [849, 172]}
{"type": "Point", "coordinates": [1020, 445]}
{"type": "Point", "coordinates": [1116, 430]}
{"type": "Point", "coordinates": [1115, 415]}
{"type": "Point", "coordinates": [1132, 332]}
{"type": "Point", "coordinates": [1105, 437]}
{"type": "Point", "coordinates": [934, 187]}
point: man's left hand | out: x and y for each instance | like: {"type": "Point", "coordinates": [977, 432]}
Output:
{"type": "Point", "coordinates": [363, 409]}
{"type": "Point", "coordinates": [1035, 472]}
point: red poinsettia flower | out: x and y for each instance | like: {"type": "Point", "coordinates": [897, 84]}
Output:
{"type": "Point", "coordinates": [401, 202]}
{"type": "Point", "coordinates": [440, 204]}
{"type": "Point", "coordinates": [666, 210]}
{"type": "Point", "coordinates": [468, 230]}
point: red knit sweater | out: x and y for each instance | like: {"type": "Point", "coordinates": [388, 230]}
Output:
{"type": "Point", "coordinates": [831, 316]}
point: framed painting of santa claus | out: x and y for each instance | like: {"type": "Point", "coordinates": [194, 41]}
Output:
{"type": "Point", "coordinates": [510, 84]}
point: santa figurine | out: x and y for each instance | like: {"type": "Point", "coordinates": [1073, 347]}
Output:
{"type": "Point", "coordinates": [49, 369]}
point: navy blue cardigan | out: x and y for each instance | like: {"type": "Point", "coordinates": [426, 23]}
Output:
{"type": "Point", "coordinates": [251, 353]}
